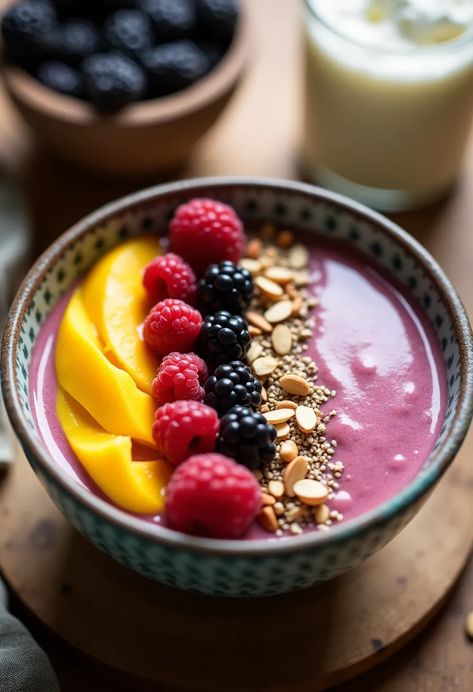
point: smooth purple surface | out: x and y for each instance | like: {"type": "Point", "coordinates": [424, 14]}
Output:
{"type": "Point", "coordinates": [371, 344]}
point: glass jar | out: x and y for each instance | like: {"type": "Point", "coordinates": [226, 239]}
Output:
{"type": "Point", "coordinates": [385, 125]}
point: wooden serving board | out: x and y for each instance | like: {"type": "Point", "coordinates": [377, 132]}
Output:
{"type": "Point", "coordinates": [146, 633]}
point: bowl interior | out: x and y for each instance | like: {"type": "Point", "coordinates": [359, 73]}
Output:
{"type": "Point", "coordinates": [293, 204]}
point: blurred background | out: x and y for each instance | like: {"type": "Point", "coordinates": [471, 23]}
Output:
{"type": "Point", "coordinates": [246, 115]}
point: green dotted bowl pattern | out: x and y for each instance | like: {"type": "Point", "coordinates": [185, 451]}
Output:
{"type": "Point", "coordinates": [237, 567]}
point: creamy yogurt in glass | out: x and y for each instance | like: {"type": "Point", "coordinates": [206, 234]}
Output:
{"type": "Point", "coordinates": [389, 97]}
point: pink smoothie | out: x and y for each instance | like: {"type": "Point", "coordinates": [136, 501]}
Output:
{"type": "Point", "coordinates": [371, 344]}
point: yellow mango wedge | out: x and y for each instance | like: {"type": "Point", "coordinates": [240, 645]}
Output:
{"type": "Point", "coordinates": [135, 486]}
{"type": "Point", "coordinates": [117, 304]}
{"type": "Point", "coordinates": [107, 393]}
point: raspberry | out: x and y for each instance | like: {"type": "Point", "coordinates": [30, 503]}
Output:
{"type": "Point", "coordinates": [183, 428]}
{"type": "Point", "coordinates": [171, 325]}
{"type": "Point", "coordinates": [223, 337]}
{"type": "Point", "coordinates": [225, 286]}
{"type": "Point", "coordinates": [170, 277]}
{"type": "Point", "coordinates": [232, 384]}
{"type": "Point", "coordinates": [246, 437]}
{"type": "Point", "coordinates": [205, 232]}
{"type": "Point", "coordinates": [180, 376]}
{"type": "Point", "coordinates": [211, 495]}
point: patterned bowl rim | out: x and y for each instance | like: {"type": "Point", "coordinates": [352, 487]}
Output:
{"type": "Point", "coordinates": [376, 517]}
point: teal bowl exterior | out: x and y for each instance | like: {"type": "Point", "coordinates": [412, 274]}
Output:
{"type": "Point", "coordinates": [237, 568]}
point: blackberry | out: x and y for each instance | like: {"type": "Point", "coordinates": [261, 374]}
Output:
{"type": "Point", "coordinates": [172, 19]}
{"type": "Point", "coordinates": [174, 66]}
{"type": "Point", "coordinates": [112, 80]}
{"type": "Point", "coordinates": [223, 337]}
{"type": "Point", "coordinates": [78, 38]}
{"type": "Point", "coordinates": [218, 19]}
{"type": "Point", "coordinates": [213, 52]}
{"type": "Point", "coordinates": [232, 384]}
{"type": "Point", "coordinates": [225, 286]}
{"type": "Point", "coordinates": [246, 437]}
{"type": "Point", "coordinates": [29, 31]}
{"type": "Point", "coordinates": [61, 77]}
{"type": "Point", "coordinates": [129, 31]}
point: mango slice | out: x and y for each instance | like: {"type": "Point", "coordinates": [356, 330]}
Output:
{"type": "Point", "coordinates": [107, 393]}
{"type": "Point", "coordinates": [117, 304]}
{"type": "Point", "coordinates": [135, 486]}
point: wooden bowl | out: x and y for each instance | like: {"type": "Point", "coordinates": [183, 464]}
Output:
{"type": "Point", "coordinates": [144, 138]}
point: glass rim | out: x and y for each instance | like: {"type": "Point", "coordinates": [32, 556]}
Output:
{"type": "Point", "coordinates": [444, 47]}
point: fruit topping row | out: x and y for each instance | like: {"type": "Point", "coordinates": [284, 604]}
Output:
{"type": "Point", "coordinates": [233, 393]}
{"type": "Point", "coordinates": [207, 423]}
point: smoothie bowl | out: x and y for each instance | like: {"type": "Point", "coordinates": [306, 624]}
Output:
{"type": "Point", "coordinates": [238, 387]}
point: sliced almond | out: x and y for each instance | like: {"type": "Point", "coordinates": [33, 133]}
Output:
{"type": "Point", "coordinates": [254, 352]}
{"type": "Point", "coordinates": [264, 408]}
{"type": "Point", "coordinates": [295, 513]}
{"type": "Point", "coordinates": [295, 471]}
{"type": "Point", "coordinates": [268, 520]}
{"type": "Point", "coordinates": [257, 320]}
{"type": "Point", "coordinates": [279, 311]}
{"type": "Point", "coordinates": [282, 431]}
{"type": "Point", "coordinates": [254, 247]}
{"type": "Point", "coordinates": [285, 239]}
{"type": "Point", "coordinates": [296, 305]}
{"type": "Point", "coordinates": [294, 384]}
{"type": "Point", "coordinates": [286, 403]}
{"type": "Point", "coordinates": [253, 266]}
{"type": "Point", "coordinates": [276, 488]}
{"type": "Point", "coordinates": [321, 514]}
{"type": "Point", "coordinates": [279, 415]}
{"type": "Point", "coordinates": [306, 419]}
{"type": "Point", "coordinates": [288, 451]}
{"type": "Point", "coordinates": [298, 257]}
{"type": "Point", "coordinates": [268, 499]}
{"type": "Point", "coordinates": [254, 331]}
{"type": "Point", "coordinates": [264, 394]}
{"type": "Point", "coordinates": [270, 289]}
{"type": "Point", "coordinates": [281, 275]}
{"type": "Point", "coordinates": [281, 339]}
{"type": "Point", "coordinates": [291, 290]}
{"type": "Point", "coordinates": [311, 492]}
{"type": "Point", "coordinates": [266, 262]}
{"type": "Point", "coordinates": [264, 366]}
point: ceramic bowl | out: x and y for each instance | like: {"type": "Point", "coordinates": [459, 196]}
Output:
{"type": "Point", "coordinates": [222, 566]}
{"type": "Point", "coordinates": [145, 138]}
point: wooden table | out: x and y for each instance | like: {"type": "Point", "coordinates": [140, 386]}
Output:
{"type": "Point", "coordinates": [258, 135]}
